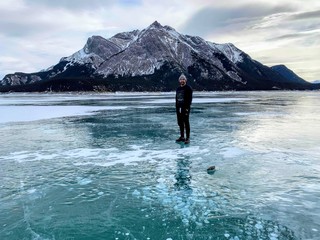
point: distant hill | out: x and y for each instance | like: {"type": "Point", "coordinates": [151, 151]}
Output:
{"type": "Point", "coordinates": [152, 60]}
{"type": "Point", "coordinates": [287, 73]}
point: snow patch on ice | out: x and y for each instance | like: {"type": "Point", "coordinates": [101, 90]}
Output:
{"type": "Point", "coordinates": [22, 113]}
{"type": "Point", "coordinates": [105, 157]}
{"type": "Point", "coordinates": [232, 152]}
{"type": "Point", "coordinates": [83, 181]}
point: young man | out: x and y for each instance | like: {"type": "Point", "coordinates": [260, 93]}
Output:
{"type": "Point", "coordinates": [183, 103]}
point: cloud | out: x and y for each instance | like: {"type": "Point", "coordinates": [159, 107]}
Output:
{"type": "Point", "coordinates": [218, 19]}
{"type": "Point", "coordinates": [32, 20]}
{"type": "Point", "coordinates": [82, 5]}
{"type": "Point", "coordinates": [299, 21]}
{"type": "Point", "coordinates": [297, 35]}
{"type": "Point", "coordinates": [302, 27]}
{"type": "Point", "coordinates": [72, 5]}
{"type": "Point", "coordinates": [46, 17]}
{"type": "Point", "coordinates": [307, 15]}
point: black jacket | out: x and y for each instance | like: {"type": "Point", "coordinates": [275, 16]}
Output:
{"type": "Point", "coordinates": [184, 96]}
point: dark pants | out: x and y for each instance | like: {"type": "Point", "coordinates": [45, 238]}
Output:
{"type": "Point", "coordinates": [183, 120]}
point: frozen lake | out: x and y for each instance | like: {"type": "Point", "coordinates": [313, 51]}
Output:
{"type": "Point", "coordinates": [106, 166]}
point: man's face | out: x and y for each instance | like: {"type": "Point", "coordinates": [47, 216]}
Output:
{"type": "Point", "coordinates": [182, 82]}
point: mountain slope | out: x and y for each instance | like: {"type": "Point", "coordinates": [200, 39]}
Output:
{"type": "Point", "coordinates": [151, 60]}
{"type": "Point", "coordinates": [288, 74]}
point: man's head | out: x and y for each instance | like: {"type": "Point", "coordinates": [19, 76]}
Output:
{"type": "Point", "coordinates": [182, 80]}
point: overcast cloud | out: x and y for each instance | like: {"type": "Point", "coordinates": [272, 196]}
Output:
{"type": "Point", "coordinates": [35, 34]}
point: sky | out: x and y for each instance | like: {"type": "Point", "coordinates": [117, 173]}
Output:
{"type": "Point", "coordinates": [36, 34]}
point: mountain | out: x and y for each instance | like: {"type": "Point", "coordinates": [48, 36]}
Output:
{"type": "Point", "coordinates": [152, 60]}
{"type": "Point", "coordinates": [287, 73]}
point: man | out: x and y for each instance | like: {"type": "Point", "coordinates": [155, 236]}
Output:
{"type": "Point", "coordinates": [183, 103]}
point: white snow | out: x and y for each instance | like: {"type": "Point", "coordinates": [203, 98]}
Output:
{"type": "Point", "coordinates": [235, 76]}
{"type": "Point", "coordinates": [22, 113]}
{"type": "Point", "coordinates": [231, 52]}
{"type": "Point", "coordinates": [80, 57]}
{"type": "Point", "coordinates": [124, 43]}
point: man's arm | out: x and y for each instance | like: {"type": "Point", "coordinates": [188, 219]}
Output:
{"type": "Point", "coordinates": [189, 97]}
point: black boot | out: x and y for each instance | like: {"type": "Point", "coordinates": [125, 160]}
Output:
{"type": "Point", "coordinates": [180, 139]}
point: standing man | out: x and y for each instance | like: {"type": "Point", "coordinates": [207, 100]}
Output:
{"type": "Point", "coordinates": [183, 103]}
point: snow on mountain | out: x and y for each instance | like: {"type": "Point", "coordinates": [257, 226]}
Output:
{"type": "Point", "coordinates": [123, 40]}
{"type": "Point", "coordinates": [167, 43]}
{"type": "Point", "coordinates": [96, 50]}
{"type": "Point", "coordinates": [232, 53]}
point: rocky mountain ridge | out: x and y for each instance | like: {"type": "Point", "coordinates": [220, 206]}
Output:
{"type": "Point", "coordinates": [151, 60]}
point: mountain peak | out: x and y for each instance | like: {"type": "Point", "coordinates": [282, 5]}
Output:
{"type": "Point", "coordinates": [155, 24]}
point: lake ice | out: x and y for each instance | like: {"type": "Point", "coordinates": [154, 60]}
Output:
{"type": "Point", "coordinates": [106, 166]}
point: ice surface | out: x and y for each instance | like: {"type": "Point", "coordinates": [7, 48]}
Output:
{"type": "Point", "coordinates": [102, 165]}
{"type": "Point", "coordinates": [33, 113]}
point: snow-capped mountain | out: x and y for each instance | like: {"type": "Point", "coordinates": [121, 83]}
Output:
{"type": "Point", "coordinates": [152, 60]}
